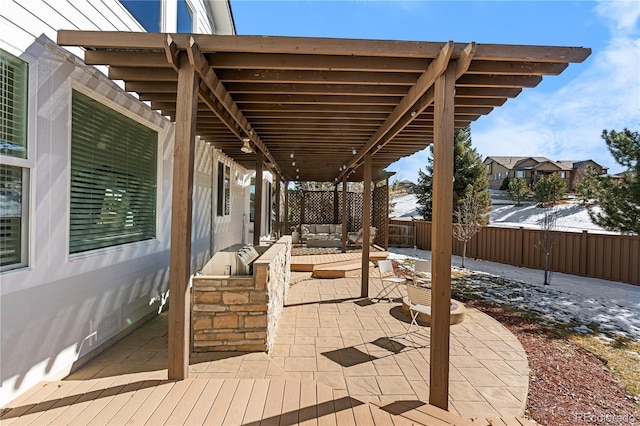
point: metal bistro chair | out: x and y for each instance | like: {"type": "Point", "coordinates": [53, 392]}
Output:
{"type": "Point", "coordinates": [422, 272]}
{"type": "Point", "coordinates": [390, 282]}
{"type": "Point", "coordinates": [419, 299]}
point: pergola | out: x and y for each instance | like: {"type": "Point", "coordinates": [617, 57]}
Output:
{"type": "Point", "coordinates": [346, 109]}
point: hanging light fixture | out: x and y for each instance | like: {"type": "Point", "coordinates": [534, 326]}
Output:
{"type": "Point", "coordinates": [291, 155]}
{"type": "Point", "coordinates": [293, 163]}
{"type": "Point", "coordinates": [246, 146]}
{"type": "Point", "coordinates": [353, 151]}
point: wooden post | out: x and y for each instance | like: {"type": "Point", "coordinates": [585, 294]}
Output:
{"type": "Point", "coordinates": [302, 208]}
{"type": "Point", "coordinates": [287, 230]}
{"type": "Point", "coordinates": [584, 253]}
{"type": "Point", "coordinates": [386, 217]}
{"type": "Point", "coordinates": [257, 201]}
{"type": "Point", "coordinates": [344, 215]}
{"type": "Point", "coordinates": [366, 225]}
{"type": "Point", "coordinates": [335, 204]}
{"type": "Point", "coordinates": [278, 227]}
{"type": "Point", "coordinates": [181, 209]}
{"type": "Point", "coordinates": [441, 239]}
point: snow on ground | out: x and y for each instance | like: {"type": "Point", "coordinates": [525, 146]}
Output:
{"type": "Point", "coordinates": [572, 216]}
{"type": "Point", "coordinates": [405, 206]}
{"type": "Point", "coordinates": [587, 305]}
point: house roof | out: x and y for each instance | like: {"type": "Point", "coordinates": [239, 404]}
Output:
{"type": "Point", "coordinates": [328, 101]}
{"type": "Point", "coordinates": [507, 162]}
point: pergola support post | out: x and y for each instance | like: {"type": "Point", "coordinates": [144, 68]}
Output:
{"type": "Point", "coordinates": [366, 225]}
{"type": "Point", "coordinates": [181, 214]}
{"type": "Point", "coordinates": [257, 201]}
{"type": "Point", "coordinates": [344, 215]}
{"type": "Point", "coordinates": [287, 229]}
{"type": "Point", "coordinates": [278, 224]}
{"type": "Point", "coordinates": [441, 241]}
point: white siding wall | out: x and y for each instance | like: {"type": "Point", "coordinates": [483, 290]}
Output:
{"type": "Point", "coordinates": [50, 310]}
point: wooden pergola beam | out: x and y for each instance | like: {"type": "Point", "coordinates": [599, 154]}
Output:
{"type": "Point", "coordinates": [317, 77]}
{"type": "Point", "coordinates": [435, 68]}
{"type": "Point", "coordinates": [315, 89]}
{"type": "Point", "coordinates": [317, 46]}
{"type": "Point", "coordinates": [210, 79]}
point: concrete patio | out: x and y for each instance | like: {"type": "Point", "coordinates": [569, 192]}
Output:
{"type": "Point", "coordinates": [351, 349]}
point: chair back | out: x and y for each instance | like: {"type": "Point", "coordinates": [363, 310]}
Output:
{"type": "Point", "coordinates": [423, 266]}
{"type": "Point", "coordinates": [385, 267]}
{"type": "Point", "coordinates": [419, 295]}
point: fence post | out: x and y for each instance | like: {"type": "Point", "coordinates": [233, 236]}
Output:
{"type": "Point", "coordinates": [584, 241]}
{"type": "Point", "coordinates": [521, 246]}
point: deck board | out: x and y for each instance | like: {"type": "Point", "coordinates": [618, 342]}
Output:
{"type": "Point", "coordinates": [188, 401]}
{"type": "Point", "coordinates": [256, 403]}
{"type": "Point", "coordinates": [150, 405]}
{"type": "Point", "coordinates": [133, 404]}
{"type": "Point", "coordinates": [238, 405]}
{"type": "Point", "coordinates": [221, 404]}
{"type": "Point", "coordinates": [274, 401]}
{"type": "Point", "coordinates": [115, 404]}
{"type": "Point", "coordinates": [200, 410]}
{"type": "Point", "coordinates": [308, 404]}
{"type": "Point", "coordinates": [273, 404]}
{"type": "Point", "coordinates": [326, 410]}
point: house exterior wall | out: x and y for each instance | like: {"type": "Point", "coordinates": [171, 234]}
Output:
{"type": "Point", "coordinates": [61, 309]}
{"type": "Point", "coordinates": [496, 174]}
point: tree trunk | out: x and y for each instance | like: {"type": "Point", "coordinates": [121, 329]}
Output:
{"type": "Point", "coordinates": [546, 269]}
{"type": "Point", "coordinates": [464, 252]}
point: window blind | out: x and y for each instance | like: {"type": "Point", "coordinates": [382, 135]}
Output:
{"type": "Point", "coordinates": [113, 177]}
{"type": "Point", "coordinates": [14, 75]}
{"type": "Point", "coordinates": [10, 215]}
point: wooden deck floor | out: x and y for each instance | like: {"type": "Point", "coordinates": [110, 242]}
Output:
{"type": "Point", "coordinates": [111, 401]}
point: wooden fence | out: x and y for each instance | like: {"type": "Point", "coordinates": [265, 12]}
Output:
{"type": "Point", "coordinates": [610, 257]}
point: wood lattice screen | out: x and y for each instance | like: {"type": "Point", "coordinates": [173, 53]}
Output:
{"type": "Point", "coordinates": [380, 213]}
{"type": "Point", "coordinates": [318, 207]}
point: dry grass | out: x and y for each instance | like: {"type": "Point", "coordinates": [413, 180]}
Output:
{"type": "Point", "coordinates": [620, 356]}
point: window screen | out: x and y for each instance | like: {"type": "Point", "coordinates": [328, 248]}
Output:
{"type": "Point", "coordinates": [113, 177]}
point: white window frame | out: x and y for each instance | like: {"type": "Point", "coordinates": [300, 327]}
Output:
{"type": "Point", "coordinates": [26, 164]}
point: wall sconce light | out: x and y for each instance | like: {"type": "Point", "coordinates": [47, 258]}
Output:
{"type": "Point", "coordinates": [246, 146]}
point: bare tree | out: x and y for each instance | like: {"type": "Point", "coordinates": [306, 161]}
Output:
{"type": "Point", "coordinates": [469, 218]}
{"type": "Point", "coordinates": [549, 238]}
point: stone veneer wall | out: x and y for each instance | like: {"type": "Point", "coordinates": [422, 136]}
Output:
{"type": "Point", "coordinates": [240, 312]}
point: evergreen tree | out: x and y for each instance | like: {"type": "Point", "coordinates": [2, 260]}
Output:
{"type": "Point", "coordinates": [505, 184]}
{"type": "Point", "coordinates": [549, 190]}
{"type": "Point", "coordinates": [518, 190]}
{"type": "Point", "coordinates": [468, 170]}
{"type": "Point", "coordinates": [619, 201]}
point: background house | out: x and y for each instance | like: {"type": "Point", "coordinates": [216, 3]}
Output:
{"type": "Point", "coordinates": [85, 187]}
{"type": "Point", "coordinates": [532, 169]}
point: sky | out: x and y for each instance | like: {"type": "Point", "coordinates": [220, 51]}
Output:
{"type": "Point", "coordinates": [562, 118]}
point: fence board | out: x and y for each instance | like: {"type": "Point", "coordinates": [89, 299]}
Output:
{"type": "Point", "coordinates": [605, 256]}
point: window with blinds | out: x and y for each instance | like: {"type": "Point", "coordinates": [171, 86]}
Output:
{"type": "Point", "coordinates": [14, 76]}
{"type": "Point", "coordinates": [224, 190]}
{"type": "Point", "coordinates": [113, 177]}
{"type": "Point", "coordinates": [11, 184]}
